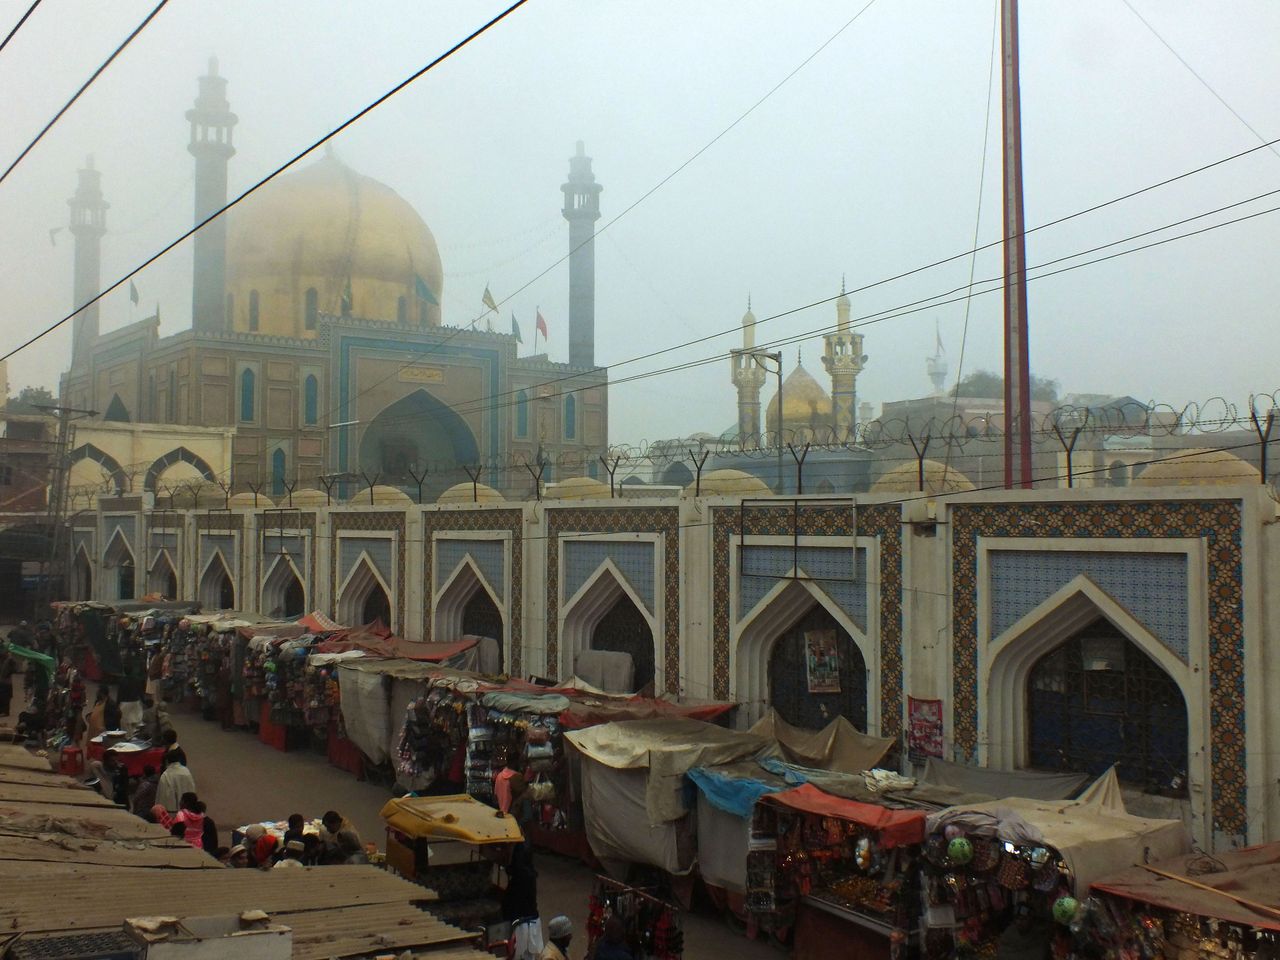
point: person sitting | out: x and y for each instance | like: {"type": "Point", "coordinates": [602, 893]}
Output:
{"type": "Point", "coordinates": [155, 724]}
{"type": "Point", "coordinates": [238, 857]}
{"type": "Point", "coordinates": [110, 778]}
{"type": "Point", "coordinates": [174, 781]}
{"type": "Point", "coordinates": [191, 817]}
{"type": "Point", "coordinates": [559, 932]}
{"type": "Point", "coordinates": [144, 795]}
{"type": "Point", "coordinates": [292, 857]}
{"type": "Point", "coordinates": [295, 825]}
{"type": "Point", "coordinates": [264, 851]}
{"type": "Point", "coordinates": [342, 843]}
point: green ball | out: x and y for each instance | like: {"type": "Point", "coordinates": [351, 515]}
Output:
{"type": "Point", "coordinates": [960, 850]}
{"type": "Point", "coordinates": [1065, 909]}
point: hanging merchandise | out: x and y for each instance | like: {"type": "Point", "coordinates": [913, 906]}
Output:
{"type": "Point", "coordinates": [652, 927]}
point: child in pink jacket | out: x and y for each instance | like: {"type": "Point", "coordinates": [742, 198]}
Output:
{"type": "Point", "coordinates": [190, 815]}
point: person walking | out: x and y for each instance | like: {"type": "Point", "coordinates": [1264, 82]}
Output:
{"type": "Point", "coordinates": [175, 781]}
{"type": "Point", "coordinates": [559, 933]}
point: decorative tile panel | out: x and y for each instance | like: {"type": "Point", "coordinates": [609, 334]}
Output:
{"type": "Point", "coordinates": [510, 521]}
{"type": "Point", "coordinates": [82, 538]}
{"type": "Point", "coordinates": [634, 560]}
{"type": "Point", "coordinates": [834, 570]}
{"type": "Point", "coordinates": [369, 520]}
{"type": "Point", "coordinates": [665, 520]}
{"type": "Point", "coordinates": [1151, 586]}
{"type": "Point", "coordinates": [1216, 522]}
{"type": "Point", "coordinates": [487, 555]}
{"type": "Point", "coordinates": [292, 543]}
{"type": "Point", "coordinates": [164, 540]}
{"type": "Point", "coordinates": [210, 543]}
{"type": "Point", "coordinates": [128, 527]}
{"type": "Point", "coordinates": [884, 522]}
{"type": "Point", "coordinates": [379, 550]}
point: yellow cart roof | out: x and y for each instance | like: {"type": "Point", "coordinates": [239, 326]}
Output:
{"type": "Point", "coordinates": [450, 818]}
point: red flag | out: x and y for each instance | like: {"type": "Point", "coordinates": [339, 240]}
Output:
{"type": "Point", "coordinates": [541, 326]}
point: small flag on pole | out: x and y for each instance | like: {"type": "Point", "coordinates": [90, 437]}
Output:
{"type": "Point", "coordinates": [423, 291]}
{"type": "Point", "coordinates": [541, 325]}
{"type": "Point", "coordinates": [133, 293]}
{"type": "Point", "coordinates": [515, 328]}
{"type": "Point", "coordinates": [487, 299]}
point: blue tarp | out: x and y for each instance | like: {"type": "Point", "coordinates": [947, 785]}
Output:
{"type": "Point", "coordinates": [731, 794]}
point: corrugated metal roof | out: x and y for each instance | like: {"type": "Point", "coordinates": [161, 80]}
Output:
{"type": "Point", "coordinates": [12, 755]}
{"type": "Point", "coordinates": [359, 931]}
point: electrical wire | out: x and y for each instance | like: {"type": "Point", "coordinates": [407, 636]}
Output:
{"type": "Point", "coordinates": [83, 87]}
{"type": "Point", "coordinates": [18, 26]}
{"type": "Point", "coordinates": [479, 31]}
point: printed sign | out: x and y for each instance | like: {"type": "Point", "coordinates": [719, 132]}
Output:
{"type": "Point", "coordinates": [924, 729]}
{"type": "Point", "coordinates": [822, 661]}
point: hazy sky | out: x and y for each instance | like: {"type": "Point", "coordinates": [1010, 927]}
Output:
{"type": "Point", "coordinates": [865, 164]}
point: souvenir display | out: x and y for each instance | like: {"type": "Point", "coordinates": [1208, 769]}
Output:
{"type": "Point", "coordinates": [651, 926]}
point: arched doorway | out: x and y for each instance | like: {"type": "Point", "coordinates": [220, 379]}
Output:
{"type": "Point", "coordinates": [364, 598]}
{"type": "Point", "coordinates": [624, 629]}
{"type": "Point", "coordinates": [217, 589]}
{"type": "Point", "coordinates": [1097, 700]}
{"type": "Point", "coordinates": [377, 607]}
{"type": "Point", "coordinates": [481, 618]}
{"type": "Point", "coordinates": [82, 577]}
{"type": "Point", "coordinates": [283, 595]}
{"type": "Point", "coordinates": [415, 434]}
{"type": "Point", "coordinates": [119, 559]}
{"type": "Point", "coordinates": [162, 579]}
{"type": "Point", "coordinates": [806, 688]}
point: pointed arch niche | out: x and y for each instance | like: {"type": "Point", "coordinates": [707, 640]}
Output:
{"type": "Point", "coordinates": [603, 597]}
{"type": "Point", "coordinates": [121, 580]}
{"type": "Point", "coordinates": [162, 578]}
{"type": "Point", "coordinates": [217, 588]}
{"type": "Point", "coordinates": [364, 596]}
{"type": "Point", "coordinates": [1074, 612]}
{"type": "Point", "coordinates": [283, 595]}
{"type": "Point", "coordinates": [774, 619]}
{"type": "Point", "coordinates": [82, 575]}
{"type": "Point", "coordinates": [467, 604]}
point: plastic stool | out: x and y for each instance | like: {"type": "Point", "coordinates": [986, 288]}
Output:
{"type": "Point", "coordinates": [71, 761]}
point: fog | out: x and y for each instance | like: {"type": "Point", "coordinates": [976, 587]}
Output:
{"type": "Point", "coordinates": [865, 164]}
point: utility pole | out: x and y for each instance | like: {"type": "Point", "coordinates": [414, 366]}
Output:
{"type": "Point", "coordinates": [1017, 367]}
{"type": "Point", "coordinates": [56, 509]}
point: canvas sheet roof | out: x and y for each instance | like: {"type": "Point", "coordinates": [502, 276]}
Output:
{"type": "Point", "coordinates": [987, 783]}
{"type": "Point", "coordinates": [1095, 839]}
{"type": "Point", "coordinates": [838, 746]}
{"type": "Point", "coordinates": [595, 710]}
{"type": "Point", "coordinates": [1252, 873]}
{"type": "Point", "coordinates": [668, 748]}
{"type": "Point", "coordinates": [450, 818]}
{"type": "Point", "coordinates": [895, 827]}
{"type": "Point", "coordinates": [619, 828]}
{"type": "Point", "coordinates": [734, 788]}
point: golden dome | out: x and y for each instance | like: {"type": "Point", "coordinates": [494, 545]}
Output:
{"type": "Point", "coordinates": [307, 498]}
{"type": "Point", "coordinates": [317, 229]}
{"type": "Point", "coordinates": [249, 501]}
{"type": "Point", "coordinates": [1196, 468]}
{"type": "Point", "coordinates": [938, 479]}
{"type": "Point", "coordinates": [805, 404]}
{"type": "Point", "coordinates": [729, 483]}
{"type": "Point", "coordinates": [578, 488]}
{"type": "Point", "coordinates": [466, 493]}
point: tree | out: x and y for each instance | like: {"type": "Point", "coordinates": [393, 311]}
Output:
{"type": "Point", "coordinates": [28, 398]}
{"type": "Point", "coordinates": [988, 385]}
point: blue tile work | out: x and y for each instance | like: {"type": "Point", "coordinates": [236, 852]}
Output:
{"type": "Point", "coordinates": [126, 525]}
{"type": "Point", "coordinates": [163, 540]}
{"type": "Point", "coordinates": [831, 569]}
{"type": "Point", "coordinates": [1151, 586]}
{"type": "Point", "coordinates": [82, 538]}
{"type": "Point", "coordinates": [275, 543]}
{"type": "Point", "coordinates": [634, 559]}
{"type": "Point", "coordinates": [378, 549]}
{"type": "Point", "coordinates": [487, 555]}
{"type": "Point", "coordinates": [211, 542]}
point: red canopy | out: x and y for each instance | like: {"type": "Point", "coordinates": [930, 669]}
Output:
{"type": "Point", "coordinates": [895, 827]}
{"type": "Point", "coordinates": [590, 712]}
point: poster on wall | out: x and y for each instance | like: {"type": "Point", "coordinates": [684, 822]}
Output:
{"type": "Point", "coordinates": [822, 661]}
{"type": "Point", "coordinates": [924, 729]}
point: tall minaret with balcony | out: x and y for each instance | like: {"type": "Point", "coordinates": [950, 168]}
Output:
{"type": "Point", "coordinates": [211, 125]}
{"type": "Point", "coordinates": [748, 377]}
{"type": "Point", "coordinates": [88, 224]}
{"type": "Point", "coordinates": [843, 357]}
{"type": "Point", "coordinates": [582, 210]}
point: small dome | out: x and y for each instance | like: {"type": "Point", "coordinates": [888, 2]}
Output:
{"type": "Point", "coordinates": [805, 404]}
{"type": "Point", "coordinates": [578, 488]}
{"type": "Point", "coordinates": [306, 499]}
{"type": "Point", "coordinates": [382, 496]}
{"type": "Point", "coordinates": [728, 483]}
{"type": "Point", "coordinates": [249, 501]}
{"type": "Point", "coordinates": [938, 479]}
{"type": "Point", "coordinates": [1197, 468]}
{"type": "Point", "coordinates": [466, 493]}
{"type": "Point", "coordinates": [197, 497]}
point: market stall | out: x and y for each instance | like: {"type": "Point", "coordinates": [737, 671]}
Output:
{"type": "Point", "coordinates": [839, 870]}
{"type": "Point", "coordinates": [838, 747]}
{"type": "Point", "coordinates": [986, 863]}
{"type": "Point", "coordinates": [1194, 907]}
{"type": "Point", "coordinates": [651, 925]}
{"type": "Point", "coordinates": [633, 777]}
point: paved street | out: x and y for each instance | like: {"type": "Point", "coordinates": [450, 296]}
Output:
{"type": "Point", "coordinates": [243, 780]}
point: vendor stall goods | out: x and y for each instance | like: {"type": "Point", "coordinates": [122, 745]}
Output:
{"type": "Point", "coordinates": [651, 926]}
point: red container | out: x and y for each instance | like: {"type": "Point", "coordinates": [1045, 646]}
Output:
{"type": "Point", "coordinates": [344, 754]}
{"type": "Point", "coordinates": [269, 733]}
{"type": "Point", "coordinates": [71, 761]}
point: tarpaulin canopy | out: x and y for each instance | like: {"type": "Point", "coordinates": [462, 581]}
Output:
{"type": "Point", "coordinates": [737, 794]}
{"type": "Point", "coordinates": [987, 783]}
{"type": "Point", "coordinates": [669, 748]}
{"type": "Point", "coordinates": [317, 622]}
{"type": "Point", "coordinates": [837, 746]}
{"type": "Point", "coordinates": [1095, 838]}
{"type": "Point", "coordinates": [1252, 874]}
{"type": "Point", "coordinates": [895, 827]}
{"type": "Point", "coordinates": [457, 817]}
{"type": "Point", "coordinates": [868, 786]}
{"type": "Point", "coordinates": [592, 711]}
{"type": "Point", "coordinates": [546, 704]}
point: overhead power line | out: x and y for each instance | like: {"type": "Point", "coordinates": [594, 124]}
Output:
{"type": "Point", "coordinates": [18, 26]}
{"type": "Point", "coordinates": [83, 87]}
{"type": "Point", "coordinates": [479, 31]}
